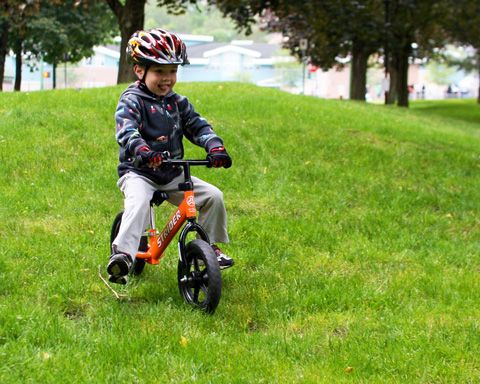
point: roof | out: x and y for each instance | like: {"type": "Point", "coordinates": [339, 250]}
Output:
{"type": "Point", "coordinates": [257, 50]}
{"type": "Point", "coordinates": [187, 38]}
{"type": "Point", "coordinates": [201, 52]}
{"type": "Point", "coordinates": [109, 50]}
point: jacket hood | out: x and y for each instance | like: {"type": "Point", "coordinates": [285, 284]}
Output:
{"type": "Point", "coordinates": [140, 89]}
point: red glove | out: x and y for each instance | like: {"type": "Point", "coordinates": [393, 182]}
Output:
{"type": "Point", "coordinates": [219, 157]}
{"type": "Point", "coordinates": [150, 158]}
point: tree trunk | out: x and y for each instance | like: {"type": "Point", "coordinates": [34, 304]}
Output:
{"type": "Point", "coordinates": [478, 97]}
{"type": "Point", "coordinates": [131, 18]}
{"type": "Point", "coordinates": [3, 51]}
{"type": "Point", "coordinates": [358, 74]}
{"type": "Point", "coordinates": [125, 73]}
{"type": "Point", "coordinates": [54, 75]}
{"type": "Point", "coordinates": [18, 65]}
{"type": "Point", "coordinates": [402, 84]}
{"type": "Point", "coordinates": [392, 91]}
{"type": "Point", "coordinates": [478, 63]}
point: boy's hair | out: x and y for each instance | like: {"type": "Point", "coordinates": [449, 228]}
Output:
{"type": "Point", "coordinates": [156, 46]}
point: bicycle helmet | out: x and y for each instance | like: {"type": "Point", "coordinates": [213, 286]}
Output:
{"type": "Point", "coordinates": [156, 46]}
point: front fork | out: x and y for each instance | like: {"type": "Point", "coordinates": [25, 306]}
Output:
{"type": "Point", "coordinates": [191, 226]}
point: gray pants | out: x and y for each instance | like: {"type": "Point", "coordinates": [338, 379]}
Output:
{"type": "Point", "coordinates": [138, 191]}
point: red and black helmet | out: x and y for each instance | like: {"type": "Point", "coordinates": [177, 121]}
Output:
{"type": "Point", "coordinates": [157, 46]}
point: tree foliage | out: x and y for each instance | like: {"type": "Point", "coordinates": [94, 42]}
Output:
{"type": "Point", "coordinates": [54, 30]}
{"type": "Point", "coordinates": [356, 28]}
{"type": "Point", "coordinates": [334, 30]}
{"type": "Point", "coordinates": [69, 31]}
{"type": "Point", "coordinates": [14, 16]}
{"type": "Point", "coordinates": [199, 19]}
{"type": "Point", "coordinates": [463, 25]}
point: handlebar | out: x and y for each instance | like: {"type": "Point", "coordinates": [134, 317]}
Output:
{"type": "Point", "coordinates": [174, 162]}
{"type": "Point", "coordinates": [186, 162]}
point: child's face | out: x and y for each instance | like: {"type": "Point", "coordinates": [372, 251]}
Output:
{"type": "Point", "coordinates": [160, 79]}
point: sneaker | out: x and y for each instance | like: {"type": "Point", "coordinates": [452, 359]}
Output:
{"type": "Point", "coordinates": [118, 268]}
{"type": "Point", "coordinates": [223, 260]}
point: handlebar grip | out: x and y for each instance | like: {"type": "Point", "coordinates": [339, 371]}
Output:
{"type": "Point", "coordinates": [139, 161]}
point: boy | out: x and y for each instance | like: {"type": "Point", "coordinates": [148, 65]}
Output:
{"type": "Point", "coordinates": [151, 118]}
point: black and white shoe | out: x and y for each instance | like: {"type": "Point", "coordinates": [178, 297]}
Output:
{"type": "Point", "coordinates": [223, 260]}
{"type": "Point", "coordinates": [118, 268]}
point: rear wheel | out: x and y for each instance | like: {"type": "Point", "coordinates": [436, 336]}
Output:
{"type": "Point", "coordinates": [200, 281]}
{"type": "Point", "coordinates": [138, 264]}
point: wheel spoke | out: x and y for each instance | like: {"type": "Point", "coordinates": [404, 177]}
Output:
{"type": "Point", "coordinates": [196, 291]}
{"type": "Point", "coordinates": [196, 266]}
{"type": "Point", "coordinates": [204, 277]}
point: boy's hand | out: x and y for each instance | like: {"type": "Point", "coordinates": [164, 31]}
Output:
{"type": "Point", "coordinates": [150, 158]}
{"type": "Point", "coordinates": [219, 157]}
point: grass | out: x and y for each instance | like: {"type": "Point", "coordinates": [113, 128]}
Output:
{"type": "Point", "coordinates": [355, 228]}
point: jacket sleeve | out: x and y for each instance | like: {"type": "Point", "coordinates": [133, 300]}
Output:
{"type": "Point", "coordinates": [196, 128]}
{"type": "Point", "coordinates": [129, 124]}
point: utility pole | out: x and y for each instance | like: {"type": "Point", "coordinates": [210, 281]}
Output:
{"type": "Point", "coordinates": [66, 57]}
{"type": "Point", "coordinates": [386, 58]}
{"type": "Point", "coordinates": [41, 74]}
{"type": "Point", "coordinates": [303, 48]}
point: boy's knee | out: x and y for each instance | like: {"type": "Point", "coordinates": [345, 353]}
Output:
{"type": "Point", "coordinates": [212, 197]}
{"type": "Point", "coordinates": [216, 194]}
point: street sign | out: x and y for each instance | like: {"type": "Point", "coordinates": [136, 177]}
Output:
{"type": "Point", "coordinates": [303, 44]}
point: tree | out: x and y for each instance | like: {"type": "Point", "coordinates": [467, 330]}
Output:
{"type": "Point", "coordinates": [334, 30]}
{"type": "Point", "coordinates": [409, 23]}
{"type": "Point", "coordinates": [4, 30]}
{"type": "Point", "coordinates": [130, 18]}
{"type": "Point", "coordinates": [463, 27]}
{"type": "Point", "coordinates": [67, 32]}
{"type": "Point", "coordinates": [55, 30]}
{"type": "Point", "coordinates": [13, 19]}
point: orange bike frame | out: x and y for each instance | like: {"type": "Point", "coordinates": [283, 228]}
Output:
{"type": "Point", "coordinates": [159, 241]}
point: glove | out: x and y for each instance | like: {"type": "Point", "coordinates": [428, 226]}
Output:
{"type": "Point", "coordinates": [150, 158]}
{"type": "Point", "coordinates": [219, 157]}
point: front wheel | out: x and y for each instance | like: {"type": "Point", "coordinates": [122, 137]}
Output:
{"type": "Point", "coordinates": [138, 264]}
{"type": "Point", "coordinates": [200, 281]}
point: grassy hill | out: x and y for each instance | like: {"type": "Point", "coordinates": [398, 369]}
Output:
{"type": "Point", "coordinates": [355, 229]}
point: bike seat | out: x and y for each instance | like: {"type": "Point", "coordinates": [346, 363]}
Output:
{"type": "Point", "coordinates": [158, 198]}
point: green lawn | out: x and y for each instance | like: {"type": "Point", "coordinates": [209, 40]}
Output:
{"type": "Point", "coordinates": [355, 229]}
{"type": "Point", "coordinates": [462, 110]}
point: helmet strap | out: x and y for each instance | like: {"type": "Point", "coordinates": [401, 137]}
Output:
{"type": "Point", "coordinates": [147, 67]}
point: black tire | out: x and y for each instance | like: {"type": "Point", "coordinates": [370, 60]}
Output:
{"type": "Point", "coordinates": [200, 284]}
{"type": "Point", "coordinates": [138, 264]}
